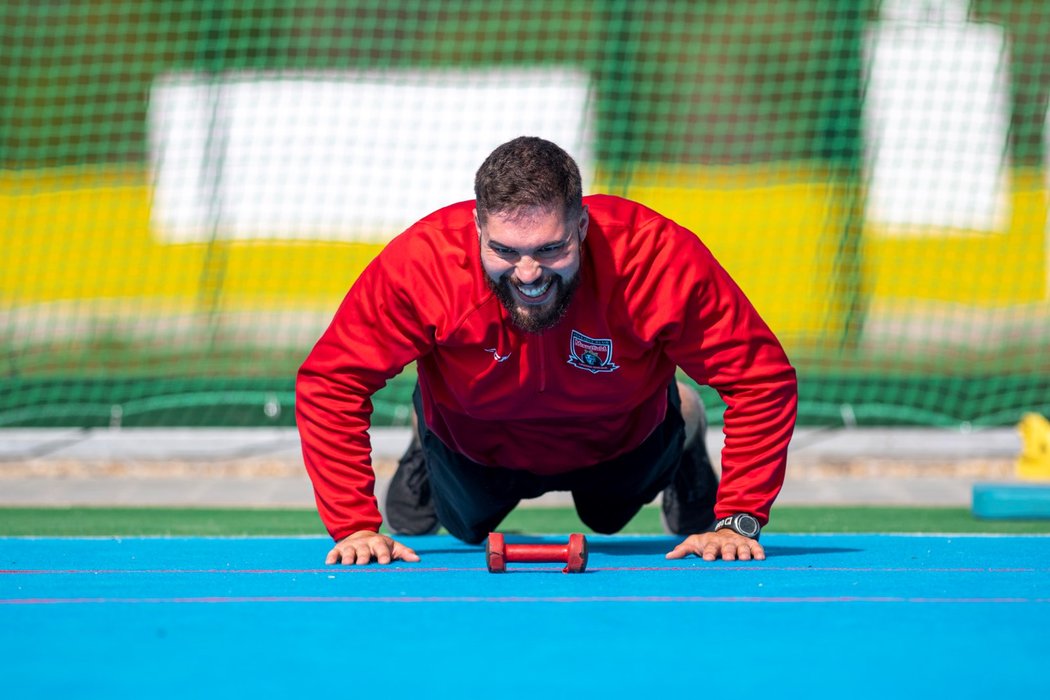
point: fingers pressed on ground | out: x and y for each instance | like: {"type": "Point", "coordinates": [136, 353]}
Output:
{"type": "Point", "coordinates": [404, 553]}
{"type": "Point", "coordinates": [382, 553]}
{"type": "Point", "coordinates": [364, 554]}
{"type": "Point", "coordinates": [680, 552]}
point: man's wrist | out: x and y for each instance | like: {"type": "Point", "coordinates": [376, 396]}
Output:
{"type": "Point", "coordinates": [743, 524]}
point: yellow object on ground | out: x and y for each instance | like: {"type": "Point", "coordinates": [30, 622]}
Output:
{"type": "Point", "coordinates": [1034, 463]}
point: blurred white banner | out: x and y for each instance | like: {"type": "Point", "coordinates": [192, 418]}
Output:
{"type": "Point", "coordinates": [936, 119]}
{"type": "Point", "coordinates": [350, 156]}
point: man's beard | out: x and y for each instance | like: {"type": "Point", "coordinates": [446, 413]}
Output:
{"type": "Point", "coordinates": [533, 320]}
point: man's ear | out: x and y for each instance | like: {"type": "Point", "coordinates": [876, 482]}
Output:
{"type": "Point", "coordinates": [477, 223]}
{"type": "Point", "coordinates": [585, 219]}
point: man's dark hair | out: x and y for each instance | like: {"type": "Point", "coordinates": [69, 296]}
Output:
{"type": "Point", "coordinates": [528, 172]}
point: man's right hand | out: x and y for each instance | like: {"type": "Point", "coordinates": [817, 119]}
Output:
{"type": "Point", "coordinates": [364, 545]}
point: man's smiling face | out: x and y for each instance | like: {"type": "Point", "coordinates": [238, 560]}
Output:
{"type": "Point", "coordinates": [531, 258]}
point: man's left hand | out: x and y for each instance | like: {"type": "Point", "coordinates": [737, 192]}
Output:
{"type": "Point", "coordinates": [724, 543]}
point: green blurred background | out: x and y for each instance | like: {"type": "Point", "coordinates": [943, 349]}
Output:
{"type": "Point", "coordinates": [750, 122]}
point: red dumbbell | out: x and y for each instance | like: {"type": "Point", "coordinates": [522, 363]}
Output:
{"type": "Point", "coordinates": [574, 554]}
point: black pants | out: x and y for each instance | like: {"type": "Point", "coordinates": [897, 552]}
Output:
{"type": "Point", "coordinates": [471, 499]}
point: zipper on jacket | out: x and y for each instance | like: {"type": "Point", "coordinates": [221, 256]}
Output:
{"type": "Point", "coordinates": [543, 362]}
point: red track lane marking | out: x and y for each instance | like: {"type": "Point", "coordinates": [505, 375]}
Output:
{"type": "Point", "coordinates": [523, 599]}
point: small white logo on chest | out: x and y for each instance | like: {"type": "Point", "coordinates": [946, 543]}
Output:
{"type": "Point", "coordinates": [496, 356]}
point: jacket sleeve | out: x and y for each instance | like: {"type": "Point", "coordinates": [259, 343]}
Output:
{"type": "Point", "coordinates": [717, 338]}
{"type": "Point", "coordinates": [375, 333]}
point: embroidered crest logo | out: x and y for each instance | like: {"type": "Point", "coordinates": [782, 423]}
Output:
{"type": "Point", "coordinates": [593, 355]}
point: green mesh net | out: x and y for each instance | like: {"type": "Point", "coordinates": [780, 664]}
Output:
{"type": "Point", "coordinates": [188, 188]}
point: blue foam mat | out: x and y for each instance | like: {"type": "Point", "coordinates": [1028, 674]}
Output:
{"type": "Point", "coordinates": [1011, 501]}
{"type": "Point", "coordinates": [824, 616]}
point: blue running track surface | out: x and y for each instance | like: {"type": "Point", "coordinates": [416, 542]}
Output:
{"type": "Point", "coordinates": [843, 616]}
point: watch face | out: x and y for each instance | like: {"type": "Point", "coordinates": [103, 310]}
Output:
{"type": "Point", "coordinates": [747, 525]}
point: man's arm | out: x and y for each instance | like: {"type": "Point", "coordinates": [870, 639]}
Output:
{"type": "Point", "coordinates": [717, 337]}
{"type": "Point", "coordinates": [373, 336]}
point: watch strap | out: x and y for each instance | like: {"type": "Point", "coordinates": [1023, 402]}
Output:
{"type": "Point", "coordinates": [743, 524]}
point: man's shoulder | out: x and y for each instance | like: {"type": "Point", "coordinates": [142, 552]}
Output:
{"type": "Point", "coordinates": [612, 211]}
{"type": "Point", "coordinates": [444, 230]}
{"type": "Point", "coordinates": [631, 225]}
{"type": "Point", "coordinates": [611, 203]}
{"type": "Point", "coordinates": [453, 219]}
{"type": "Point", "coordinates": [436, 252]}
{"type": "Point", "coordinates": [634, 238]}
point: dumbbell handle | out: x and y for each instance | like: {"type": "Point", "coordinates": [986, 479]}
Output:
{"type": "Point", "coordinates": [537, 552]}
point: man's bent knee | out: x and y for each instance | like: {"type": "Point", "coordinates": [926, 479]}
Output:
{"type": "Point", "coordinates": [694, 415]}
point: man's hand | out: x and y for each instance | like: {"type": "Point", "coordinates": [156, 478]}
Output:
{"type": "Point", "coordinates": [364, 545]}
{"type": "Point", "coordinates": [724, 543]}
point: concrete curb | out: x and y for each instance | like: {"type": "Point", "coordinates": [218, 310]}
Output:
{"type": "Point", "coordinates": [263, 467]}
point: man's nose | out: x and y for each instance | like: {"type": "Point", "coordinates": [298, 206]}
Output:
{"type": "Point", "coordinates": [527, 270]}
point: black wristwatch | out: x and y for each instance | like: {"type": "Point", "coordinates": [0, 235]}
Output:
{"type": "Point", "coordinates": [741, 523]}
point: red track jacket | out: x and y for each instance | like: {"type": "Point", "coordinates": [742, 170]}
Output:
{"type": "Point", "coordinates": [651, 298]}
